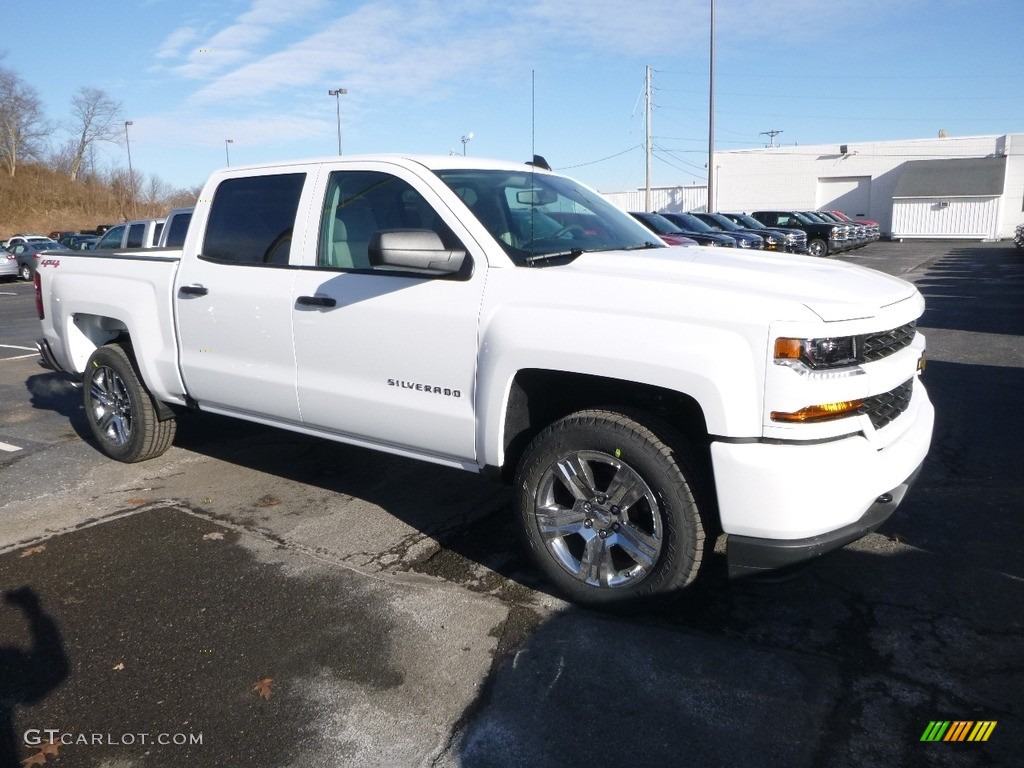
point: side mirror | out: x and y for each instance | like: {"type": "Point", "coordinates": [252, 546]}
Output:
{"type": "Point", "coordinates": [419, 250]}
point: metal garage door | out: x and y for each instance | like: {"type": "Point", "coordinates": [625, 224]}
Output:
{"type": "Point", "coordinates": [849, 194]}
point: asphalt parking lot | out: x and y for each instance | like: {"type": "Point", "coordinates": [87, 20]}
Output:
{"type": "Point", "coordinates": [255, 597]}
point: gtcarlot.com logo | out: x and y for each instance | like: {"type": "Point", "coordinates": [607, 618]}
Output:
{"type": "Point", "coordinates": [35, 737]}
{"type": "Point", "coordinates": [958, 730]}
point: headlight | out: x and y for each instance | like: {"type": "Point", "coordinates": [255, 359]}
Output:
{"type": "Point", "coordinates": [817, 354]}
{"type": "Point", "coordinates": [743, 243]}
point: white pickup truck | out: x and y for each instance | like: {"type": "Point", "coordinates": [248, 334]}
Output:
{"type": "Point", "coordinates": [499, 317]}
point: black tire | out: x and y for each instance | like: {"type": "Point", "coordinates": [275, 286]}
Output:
{"type": "Point", "coordinates": [817, 247]}
{"type": "Point", "coordinates": [597, 550]}
{"type": "Point", "coordinates": [120, 409]}
{"type": "Point", "coordinates": [24, 272]}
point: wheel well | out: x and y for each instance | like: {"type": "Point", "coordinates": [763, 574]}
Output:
{"type": "Point", "coordinates": [540, 397]}
{"type": "Point", "coordinates": [88, 332]}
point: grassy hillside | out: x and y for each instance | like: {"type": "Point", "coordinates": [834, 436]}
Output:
{"type": "Point", "coordinates": [40, 200]}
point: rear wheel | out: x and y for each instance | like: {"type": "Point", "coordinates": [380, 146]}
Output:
{"type": "Point", "coordinates": [24, 272]}
{"type": "Point", "coordinates": [817, 247]}
{"type": "Point", "coordinates": [120, 410]}
{"type": "Point", "coordinates": [609, 508]}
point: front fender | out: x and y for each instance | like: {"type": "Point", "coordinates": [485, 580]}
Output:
{"type": "Point", "coordinates": [715, 366]}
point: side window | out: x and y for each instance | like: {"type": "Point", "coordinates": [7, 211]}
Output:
{"type": "Point", "coordinates": [251, 219]}
{"type": "Point", "coordinates": [111, 238]}
{"type": "Point", "coordinates": [358, 204]}
{"type": "Point", "coordinates": [157, 229]}
{"type": "Point", "coordinates": [135, 232]}
{"type": "Point", "coordinates": [179, 226]}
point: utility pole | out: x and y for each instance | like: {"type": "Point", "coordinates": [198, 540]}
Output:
{"type": "Point", "coordinates": [647, 138]}
{"type": "Point", "coordinates": [771, 136]}
{"type": "Point", "coordinates": [131, 173]}
{"type": "Point", "coordinates": [711, 116]}
{"type": "Point", "coordinates": [337, 93]}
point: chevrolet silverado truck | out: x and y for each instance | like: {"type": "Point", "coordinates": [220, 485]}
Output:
{"type": "Point", "coordinates": [822, 239]}
{"type": "Point", "coordinates": [644, 400]}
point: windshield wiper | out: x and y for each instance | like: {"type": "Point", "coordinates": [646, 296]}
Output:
{"type": "Point", "coordinates": [531, 260]}
{"type": "Point", "coordinates": [643, 247]}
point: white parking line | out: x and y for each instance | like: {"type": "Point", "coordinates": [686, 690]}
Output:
{"type": "Point", "coordinates": [33, 350]}
{"type": "Point", "coordinates": [9, 448]}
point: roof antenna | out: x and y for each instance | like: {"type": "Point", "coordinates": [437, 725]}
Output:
{"type": "Point", "coordinates": [538, 161]}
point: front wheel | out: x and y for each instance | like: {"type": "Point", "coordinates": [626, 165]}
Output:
{"type": "Point", "coordinates": [817, 248]}
{"type": "Point", "coordinates": [120, 410]}
{"type": "Point", "coordinates": [609, 509]}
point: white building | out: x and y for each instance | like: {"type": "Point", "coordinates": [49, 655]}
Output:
{"type": "Point", "coordinates": [948, 187]}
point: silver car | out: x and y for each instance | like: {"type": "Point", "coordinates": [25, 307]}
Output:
{"type": "Point", "coordinates": [8, 265]}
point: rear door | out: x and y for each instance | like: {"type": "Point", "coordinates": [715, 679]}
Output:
{"type": "Point", "coordinates": [234, 298]}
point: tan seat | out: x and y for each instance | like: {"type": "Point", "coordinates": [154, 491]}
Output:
{"type": "Point", "coordinates": [354, 225]}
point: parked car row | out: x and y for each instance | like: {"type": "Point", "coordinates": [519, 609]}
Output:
{"type": "Point", "coordinates": [827, 233]}
{"type": "Point", "coordinates": [724, 230]}
{"type": "Point", "coordinates": [818, 233]}
{"type": "Point", "coordinates": [21, 254]}
{"type": "Point", "coordinates": [26, 251]}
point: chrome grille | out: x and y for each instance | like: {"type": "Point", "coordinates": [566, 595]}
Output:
{"type": "Point", "coordinates": [886, 408]}
{"type": "Point", "coordinates": [875, 346]}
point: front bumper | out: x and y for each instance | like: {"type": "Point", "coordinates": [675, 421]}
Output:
{"type": "Point", "coordinates": [784, 502]}
{"type": "Point", "coordinates": [747, 555]}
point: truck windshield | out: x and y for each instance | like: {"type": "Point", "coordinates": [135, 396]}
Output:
{"type": "Point", "coordinates": [535, 214]}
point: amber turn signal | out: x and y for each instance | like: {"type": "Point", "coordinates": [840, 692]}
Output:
{"type": "Point", "coordinates": [823, 412]}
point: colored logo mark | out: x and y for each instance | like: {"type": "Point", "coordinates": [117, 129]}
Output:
{"type": "Point", "coordinates": [958, 730]}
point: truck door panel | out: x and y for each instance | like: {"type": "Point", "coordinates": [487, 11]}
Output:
{"type": "Point", "coordinates": [388, 356]}
{"type": "Point", "coordinates": [234, 316]}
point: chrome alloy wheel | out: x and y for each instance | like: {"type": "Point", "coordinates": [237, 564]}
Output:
{"type": "Point", "coordinates": [112, 405]}
{"type": "Point", "coordinates": [599, 519]}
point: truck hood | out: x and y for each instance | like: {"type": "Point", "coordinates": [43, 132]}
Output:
{"type": "Point", "coordinates": [834, 291]}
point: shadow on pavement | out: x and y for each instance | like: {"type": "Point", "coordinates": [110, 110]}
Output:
{"type": "Point", "coordinates": [28, 675]}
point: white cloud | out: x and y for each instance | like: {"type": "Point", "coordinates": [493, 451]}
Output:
{"type": "Point", "coordinates": [244, 38]}
{"type": "Point", "coordinates": [171, 47]}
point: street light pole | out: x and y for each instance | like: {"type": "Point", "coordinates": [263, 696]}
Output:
{"type": "Point", "coordinates": [227, 156]}
{"type": "Point", "coordinates": [337, 93]}
{"type": "Point", "coordinates": [131, 174]}
{"type": "Point", "coordinates": [465, 140]}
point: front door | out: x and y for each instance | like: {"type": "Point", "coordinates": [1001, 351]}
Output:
{"type": "Point", "coordinates": [386, 357]}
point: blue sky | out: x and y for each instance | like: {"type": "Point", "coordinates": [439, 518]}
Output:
{"type": "Point", "coordinates": [421, 74]}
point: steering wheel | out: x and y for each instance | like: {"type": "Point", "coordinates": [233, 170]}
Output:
{"type": "Point", "coordinates": [566, 230]}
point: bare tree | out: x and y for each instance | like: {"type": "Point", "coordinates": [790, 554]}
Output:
{"type": "Point", "coordinates": [23, 127]}
{"type": "Point", "coordinates": [61, 157]}
{"type": "Point", "coordinates": [157, 190]}
{"type": "Point", "coordinates": [124, 186]}
{"type": "Point", "coordinates": [95, 117]}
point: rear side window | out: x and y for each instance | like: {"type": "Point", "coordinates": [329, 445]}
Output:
{"type": "Point", "coordinates": [251, 219]}
{"type": "Point", "coordinates": [111, 238]}
{"type": "Point", "coordinates": [135, 232]}
{"type": "Point", "coordinates": [179, 226]}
